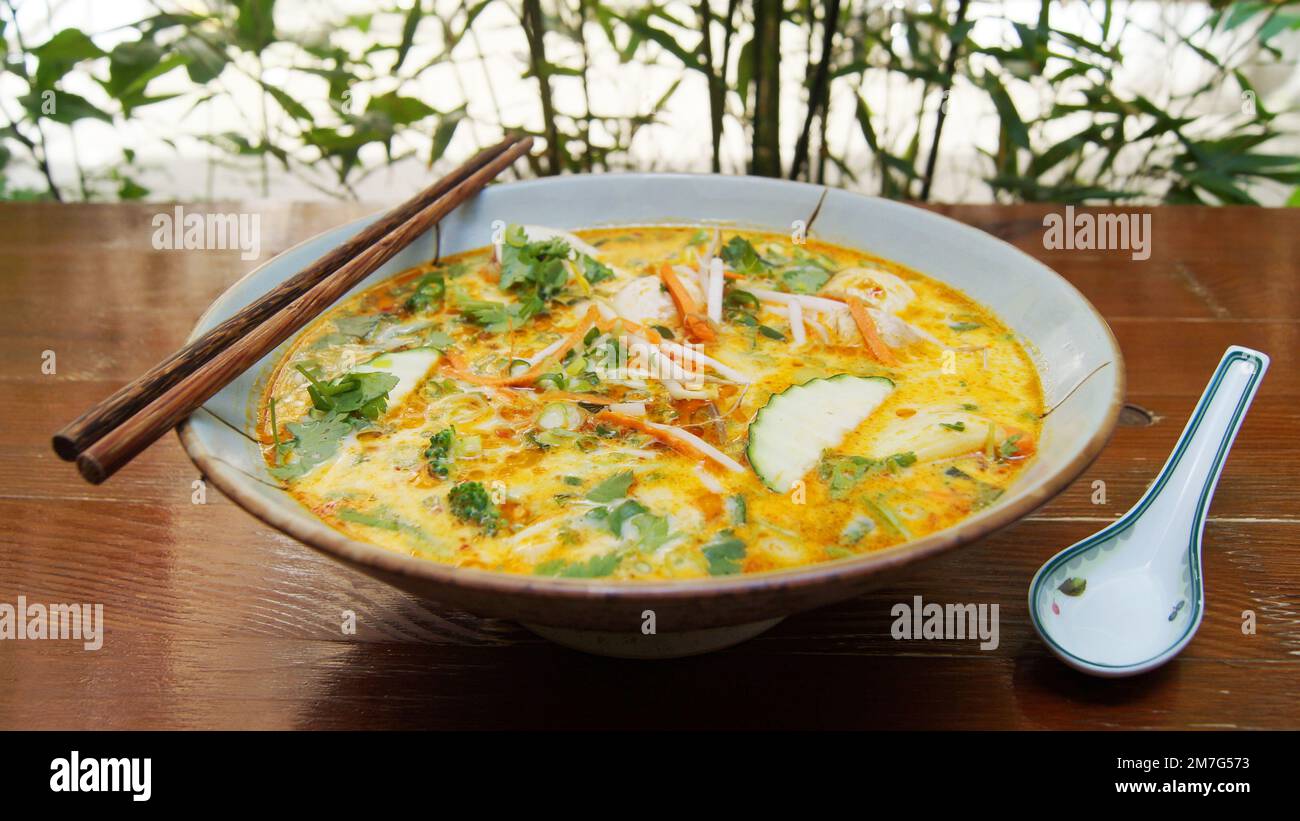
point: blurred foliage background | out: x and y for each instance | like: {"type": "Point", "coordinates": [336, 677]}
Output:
{"type": "Point", "coordinates": [1008, 101]}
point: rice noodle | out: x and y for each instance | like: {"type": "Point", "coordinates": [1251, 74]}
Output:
{"type": "Point", "coordinates": [815, 303]}
{"type": "Point", "coordinates": [796, 324]}
{"type": "Point", "coordinates": [630, 408]}
{"type": "Point", "coordinates": [710, 481]}
{"type": "Point", "coordinates": [714, 302]}
{"type": "Point", "coordinates": [698, 444]}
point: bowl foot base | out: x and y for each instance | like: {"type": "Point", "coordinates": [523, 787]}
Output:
{"type": "Point", "coordinates": [636, 645]}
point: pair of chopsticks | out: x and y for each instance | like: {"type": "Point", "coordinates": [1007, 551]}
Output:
{"type": "Point", "coordinates": [115, 431]}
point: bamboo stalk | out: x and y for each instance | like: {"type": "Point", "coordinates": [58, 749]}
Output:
{"type": "Point", "coordinates": [766, 158]}
{"type": "Point", "coordinates": [535, 31]}
{"type": "Point", "coordinates": [716, 87]}
{"type": "Point", "coordinates": [86, 429]}
{"type": "Point", "coordinates": [818, 91]}
{"type": "Point", "coordinates": [123, 443]}
{"type": "Point", "coordinates": [949, 67]}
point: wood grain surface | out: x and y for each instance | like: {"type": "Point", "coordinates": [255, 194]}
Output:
{"type": "Point", "coordinates": [216, 621]}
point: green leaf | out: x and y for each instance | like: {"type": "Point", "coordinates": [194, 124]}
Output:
{"type": "Point", "coordinates": [400, 110]}
{"type": "Point", "coordinates": [444, 132]}
{"type": "Point", "coordinates": [56, 56]}
{"type": "Point", "coordinates": [255, 26]}
{"type": "Point", "coordinates": [408, 32]}
{"type": "Point", "coordinates": [724, 554]}
{"type": "Point", "coordinates": [312, 443]}
{"type": "Point", "coordinates": [741, 257]}
{"type": "Point", "coordinates": [62, 107]}
{"type": "Point", "coordinates": [594, 568]}
{"type": "Point", "coordinates": [615, 487]}
{"type": "Point", "coordinates": [498, 317]}
{"type": "Point", "coordinates": [294, 108]}
{"type": "Point", "coordinates": [1073, 586]}
{"type": "Point", "coordinates": [622, 513]}
{"type": "Point", "coordinates": [203, 61]}
{"type": "Point", "coordinates": [805, 278]}
{"type": "Point", "coordinates": [429, 291]}
{"type": "Point", "coordinates": [1012, 123]}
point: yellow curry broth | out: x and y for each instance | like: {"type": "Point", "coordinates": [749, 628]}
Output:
{"type": "Point", "coordinates": [380, 486]}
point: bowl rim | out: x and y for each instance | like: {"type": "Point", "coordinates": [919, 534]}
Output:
{"type": "Point", "coordinates": [315, 533]}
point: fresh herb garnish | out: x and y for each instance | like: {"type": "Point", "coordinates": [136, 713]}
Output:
{"type": "Point", "coordinates": [615, 487]}
{"type": "Point", "coordinates": [358, 327]}
{"type": "Point", "coordinates": [843, 473]}
{"type": "Point", "coordinates": [341, 406]}
{"type": "Point", "coordinates": [1073, 586]}
{"type": "Point", "coordinates": [1008, 450]}
{"type": "Point", "coordinates": [881, 511]}
{"type": "Point", "coordinates": [428, 292]}
{"type": "Point", "coordinates": [313, 441]}
{"type": "Point", "coordinates": [724, 553]}
{"type": "Point", "coordinates": [536, 266]}
{"type": "Point", "coordinates": [357, 394]}
{"type": "Point", "coordinates": [593, 568]}
{"type": "Point", "coordinates": [736, 509]}
{"type": "Point", "coordinates": [498, 317]}
{"type": "Point", "coordinates": [741, 257]}
{"type": "Point", "coordinates": [955, 426]}
{"type": "Point", "coordinates": [804, 278]}
{"type": "Point", "coordinates": [595, 271]}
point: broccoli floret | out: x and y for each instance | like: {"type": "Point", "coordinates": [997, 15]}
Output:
{"type": "Point", "coordinates": [438, 454]}
{"type": "Point", "coordinates": [470, 502]}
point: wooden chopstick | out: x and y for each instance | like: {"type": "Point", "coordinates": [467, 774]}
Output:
{"type": "Point", "coordinates": [88, 428]}
{"type": "Point", "coordinates": [117, 447]}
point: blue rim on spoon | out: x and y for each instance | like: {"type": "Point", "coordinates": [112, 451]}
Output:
{"type": "Point", "coordinates": [1171, 488]}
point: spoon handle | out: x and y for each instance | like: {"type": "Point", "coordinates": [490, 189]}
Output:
{"type": "Point", "coordinates": [1180, 496]}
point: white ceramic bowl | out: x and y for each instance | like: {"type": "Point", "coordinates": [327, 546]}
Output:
{"type": "Point", "coordinates": [1076, 355]}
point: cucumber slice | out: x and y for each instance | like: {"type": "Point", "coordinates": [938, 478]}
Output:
{"type": "Point", "coordinates": [788, 435]}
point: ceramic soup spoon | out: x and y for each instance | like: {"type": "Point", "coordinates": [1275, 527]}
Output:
{"type": "Point", "coordinates": [1129, 598]}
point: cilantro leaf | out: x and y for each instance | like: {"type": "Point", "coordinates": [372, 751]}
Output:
{"type": "Point", "coordinates": [313, 442]}
{"type": "Point", "coordinates": [843, 473]}
{"type": "Point", "coordinates": [594, 270]}
{"type": "Point", "coordinates": [498, 317]}
{"type": "Point", "coordinates": [615, 487]}
{"type": "Point", "coordinates": [359, 327]}
{"type": "Point", "coordinates": [593, 568]}
{"type": "Point", "coordinates": [538, 264]}
{"type": "Point", "coordinates": [429, 291]}
{"type": "Point", "coordinates": [805, 278]}
{"type": "Point", "coordinates": [724, 554]}
{"type": "Point", "coordinates": [741, 257]}
{"type": "Point", "coordinates": [623, 513]}
{"type": "Point", "coordinates": [362, 394]}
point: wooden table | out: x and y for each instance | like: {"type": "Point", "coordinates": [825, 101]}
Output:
{"type": "Point", "coordinates": [217, 621]}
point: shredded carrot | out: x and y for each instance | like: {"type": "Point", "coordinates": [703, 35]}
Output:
{"type": "Point", "coordinates": [586, 398]}
{"type": "Point", "coordinates": [696, 323]}
{"type": "Point", "coordinates": [635, 327]}
{"type": "Point", "coordinates": [1025, 445]}
{"type": "Point", "coordinates": [459, 369]}
{"type": "Point", "coordinates": [870, 335]}
{"type": "Point", "coordinates": [623, 420]}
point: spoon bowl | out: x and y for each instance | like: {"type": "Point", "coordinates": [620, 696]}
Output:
{"type": "Point", "coordinates": [1129, 598]}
